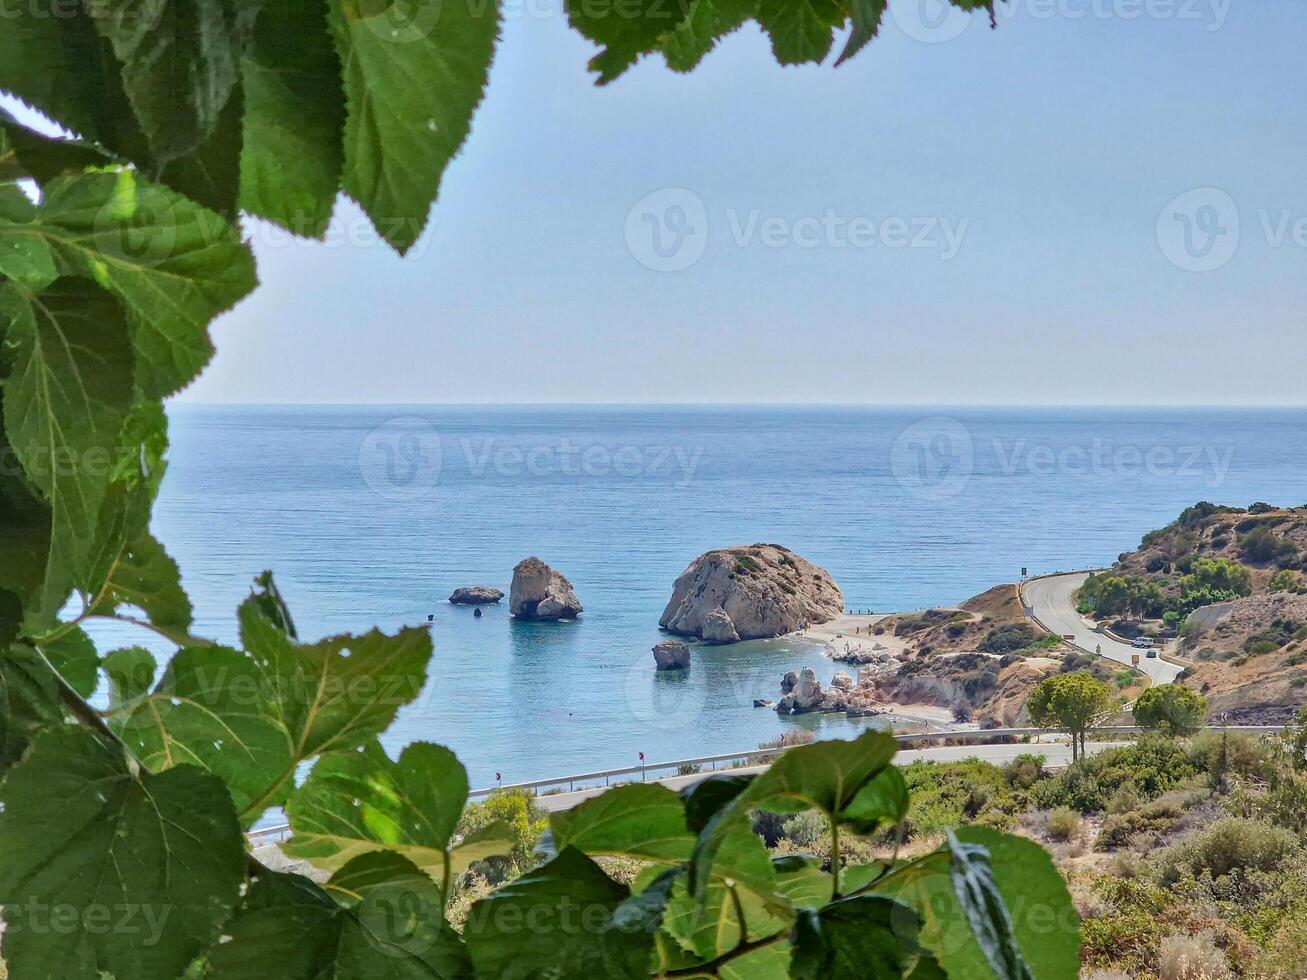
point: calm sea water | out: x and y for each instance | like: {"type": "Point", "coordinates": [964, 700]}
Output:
{"type": "Point", "coordinates": [372, 516]}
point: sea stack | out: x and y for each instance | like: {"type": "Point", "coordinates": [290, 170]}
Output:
{"type": "Point", "coordinates": [540, 592]}
{"type": "Point", "coordinates": [749, 593]}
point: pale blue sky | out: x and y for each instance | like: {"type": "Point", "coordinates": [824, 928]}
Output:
{"type": "Point", "coordinates": [1049, 149]}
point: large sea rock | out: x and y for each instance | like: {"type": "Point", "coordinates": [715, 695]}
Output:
{"type": "Point", "coordinates": [475, 595]}
{"type": "Point", "coordinates": [750, 593]}
{"type": "Point", "coordinates": [540, 592]}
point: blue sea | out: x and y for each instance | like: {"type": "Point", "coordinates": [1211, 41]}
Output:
{"type": "Point", "coordinates": [373, 515]}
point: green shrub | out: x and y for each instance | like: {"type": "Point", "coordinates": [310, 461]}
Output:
{"type": "Point", "coordinates": [1062, 823]}
{"type": "Point", "coordinates": [1231, 844]}
{"type": "Point", "coordinates": [1010, 638]}
{"type": "Point", "coordinates": [1234, 753]}
{"type": "Point", "coordinates": [1158, 817]}
{"type": "Point", "coordinates": [1284, 580]}
{"type": "Point", "coordinates": [806, 828]}
{"type": "Point", "coordinates": [518, 809]}
{"type": "Point", "coordinates": [1024, 771]}
{"type": "Point", "coordinates": [1154, 765]}
{"type": "Point", "coordinates": [948, 794]}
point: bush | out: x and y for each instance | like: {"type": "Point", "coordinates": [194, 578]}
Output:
{"type": "Point", "coordinates": [1236, 753]}
{"type": "Point", "coordinates": [1062, 823]}
{"type": "Point", "coordinates": [1154, 819]}
{"type": "Point", "coordinates": [1153, 765]}
{"type": "Point", "coordinates": [1229, 845]}
{"type": "Point", "coordinates": [1191, 958]}
{"type": "Point", "coordinates": [1010, 638]}
{"type": "Point", "coordinates": [805, 829]}
{"type": "Point", "coordinates": [1284, 580]}
{"type": "Point", "coordinates": [945, 795]}
{"type": "Point", "coordinates": [1170, 708]}
{"type": "Point", "coordinates": [1024, 771]}
{"type": "Point", "coordinates": [518, 809]}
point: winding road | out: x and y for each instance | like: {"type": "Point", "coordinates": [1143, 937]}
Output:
{"type": "Point", "coordinates": [1053, 601]}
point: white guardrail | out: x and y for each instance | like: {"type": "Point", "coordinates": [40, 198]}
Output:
{"type": "Point", "coordinates": [741, 760]}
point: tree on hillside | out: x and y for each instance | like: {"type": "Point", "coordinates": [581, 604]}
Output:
{"type": "Point", "coordinates": [1070, 703]}
{"type": "Point", "coordinates": [1217, 575]}
{"type": "Point", "coordinates": [1171, 708]}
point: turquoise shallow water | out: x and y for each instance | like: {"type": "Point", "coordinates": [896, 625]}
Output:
{"type": "Point", "coordinates": [372, 516]}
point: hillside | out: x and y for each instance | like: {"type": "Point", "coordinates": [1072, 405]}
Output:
{"type": "Point", "coordinates": [1225, 585]}
{"type": "Point", "coordinates": [981, 659]}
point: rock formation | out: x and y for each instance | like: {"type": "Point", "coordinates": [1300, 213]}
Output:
{"type": "Point", "coordinates": [671, 655]}
{"type": "Point", "coordinates": [539, 592]}
{"type": "Point", "coordinates": [749, 593]}
{"type": "Point", "coordinates": [475, 595]}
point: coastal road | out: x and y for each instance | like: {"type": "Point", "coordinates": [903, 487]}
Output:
{"type": "Point", "coordinates": [1053, 602]}
{"type": "Point", "coordinates": [1057, 755]}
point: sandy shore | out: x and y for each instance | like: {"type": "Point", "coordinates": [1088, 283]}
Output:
{"type": "Point", "coordinates": [854, 634]}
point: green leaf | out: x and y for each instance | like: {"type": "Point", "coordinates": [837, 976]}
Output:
{"type": "Point", "coordinates": [1042, 918]}
{"type": "Point", "coordinates": [66, 402]}
{"type": "Point", "coordinates": [866, 16]}
{"type": "Point", "coordinates": [180, 61]}
{"type": "Point", "coordinates": [146, 577]}
{"type": "Point", "coordinates": [173, 265]}
{"type": "Point", "coordinates": [294, 121]}
{"type": "Point", "coordinates": [770, 962]}
{"type": "Point", "coordinates": [983, 905]}
{"type": "Point", "coordinates": [358, 802]}
{"type": "Point", "coordinates": [24, 547]}
{"type": "Point", "coordinates": [131, 673]}
{"type": "Point", "coordinates": [827, 776]}
{"type": "Point", "coordinates": [210, 174]}
{"type": "Point", "coordinates": [389, 927]}
{"type": "Point", "coordinates": [882, 802]}
{"type": "Point", "coordinates": [801, 30]}
{"type": "Point", "coordinates": [148, 867]}
{"type": "Point", "coordinates": [44, 157]}
{"type": "Point", "coordinates": [565, 918]}
{"type": "Point", "coordinates": [705, 799]}
{"type": "Point", "coordinates": [335, 694]}
{"type": "Point", "coordinates": [708, 21]}
{"type": "Point", "coordinates": [626, 30]}
{"type": "Point", "coordinates": [29, 701]}
{"type": "Point", "coordinates": [74, 656]}
{"type": "Point", "coordinates": [414, 71]}
{"type": "Point", "coordinates": [211, 709]}
{"type": "Point", "coordinates": [643, 821]}
{"type": "Point", "coordinates": [860, 938]}
{"type": "Point", "coordinates": [52, 58]}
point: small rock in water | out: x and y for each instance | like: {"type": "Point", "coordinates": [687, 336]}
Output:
{"type": "Point", "coordinates": [671, 655]}
{"type": "Point", "coordinates": [475, 595]}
